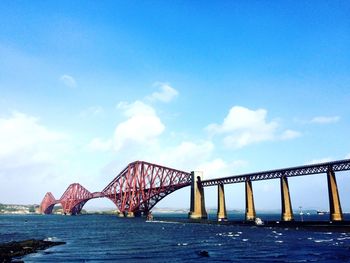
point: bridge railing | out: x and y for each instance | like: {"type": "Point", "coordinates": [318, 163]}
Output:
{"type": "Point", "coordinates": [336, 166]}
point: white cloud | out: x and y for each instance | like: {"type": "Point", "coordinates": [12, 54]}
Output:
{"type": "Point", "coordinates": [240, 118]}
{"type": "Point", "coordinates": [31, 155]}
{"type": "Point", "coordinates": [218, 168]}
{"type": "Point", "coordinates": [68, 80]}
{"type": "Point", "coordinates": [166, 93]}
{"type": "Point", "coordinates": [138, 137]}
{"type": "Point", "coordinates": [347, 156]}
{"type": "Point", "coordinates": [289, 134]}
{"type": "Point", "coordinates": [322, 160]}
{"type": "Point", "coordinates": [325, 119]}
{"type": "Point", "coordinates": [213, 168]}
{"type": "Point", "coordinates": [243, 126]}
{"type": "Point", "coordinates": [135, 108]}
{"type": "Point", "coordinates": [21, 133]}
{"type": "Point", "coordinates": [143, 125]}
{"type": "Point", "coordinates": [98, 144]}
{"type": "Point", "coordinates": [198, 156]}
{"type": "Point", "coordinates": [187, 155]}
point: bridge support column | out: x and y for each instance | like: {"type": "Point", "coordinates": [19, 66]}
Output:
{"type": "Point", "coordinates": [197, 209]}
{"type": "Point", "coordinates": [121, 214]}
{"type": "Point", "coordinates": [130, 214]}
{"type": "Point", "coordinates": [249, 202]}
{"type": "Point", "coordinates": [222, 215]}
{"type": "Point", "coordinates": [334, 201]}
{"type": "Point", "coordinates": [287, 211]}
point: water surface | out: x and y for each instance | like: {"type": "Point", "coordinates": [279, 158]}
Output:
{"type": "Point", "coordinates": [101, 238]}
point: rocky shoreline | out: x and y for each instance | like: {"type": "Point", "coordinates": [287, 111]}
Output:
{"type": "Point", "coordinates": [17, 249]}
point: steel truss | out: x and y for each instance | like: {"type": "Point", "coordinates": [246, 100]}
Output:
{"type": "Point", "coordinates": [48, 203]}
{"type": "Point", "coordinates": [336, 166]}
{"type": "Point", "coordinates": [72, 200]}
{"type": "Point", "coordinates": [138, 188]}
{"type": "Point", "coordinates": [141, 185]}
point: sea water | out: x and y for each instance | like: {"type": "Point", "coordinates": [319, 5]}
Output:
{"type": "Point", "coordinates": [101, 238]}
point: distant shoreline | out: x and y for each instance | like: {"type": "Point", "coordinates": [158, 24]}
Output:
{"type": "Point", "coordinates": [33, 209]}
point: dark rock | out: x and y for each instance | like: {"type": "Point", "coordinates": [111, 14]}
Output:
{"type": "Point", "coordinates": [19, 249]}
{"type": "Point", "coordinates": [203, 253]}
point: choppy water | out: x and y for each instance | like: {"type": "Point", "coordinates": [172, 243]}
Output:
{"type": "Point", "coordinates": [101, 238]}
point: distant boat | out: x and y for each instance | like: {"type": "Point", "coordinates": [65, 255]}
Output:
{"type": "Point", "coordinates": [320, 212]}
{"type": "Point", "coordinates": [149, 217]}
{"type": "Point", "coordinates": [300, 211]}
{"type": "Point", "coordinates": [259, 222]}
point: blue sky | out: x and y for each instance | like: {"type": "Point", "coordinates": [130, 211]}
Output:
{"type": "Point", "coordinates": [227, 87]}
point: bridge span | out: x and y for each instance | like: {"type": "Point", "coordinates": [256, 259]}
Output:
{"type": "Point", "coordinates": [328, 168]}
{"type": "Point", "coordinates": [134, 191]}
{"type": "Point", "coordinates": [141, 185]}
{"type": "Point", "coordinates": [336, 166]}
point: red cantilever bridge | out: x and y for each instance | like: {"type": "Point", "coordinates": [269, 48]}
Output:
{"type": "Point", "coordinates": [141, 185]}
{"type": "Point", "coordinates": [135, 190]}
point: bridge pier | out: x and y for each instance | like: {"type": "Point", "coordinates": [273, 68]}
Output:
{"type": "Point", "coordinates": [221, 214]}
{"type": "Point", "coordinates": [130, 214]}
{"type": "Point", "coordinates": [249, 202]}
{"type": "Point", "coordinates": [121, 214]}
{"type": "Point", "coordinates": [335, 210]}
{"type": "Point", "coordinates": [287, 211]}
{"type": "Point", "coordinates": [197, 209]}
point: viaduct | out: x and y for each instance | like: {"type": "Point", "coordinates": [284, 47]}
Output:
{"type": "Point", "coordinates": [141, 185]}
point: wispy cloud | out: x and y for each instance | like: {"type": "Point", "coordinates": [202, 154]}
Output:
{"type": "Point", "coordinates": [347, 156]}
{"type": "Point", "coordinates": [22, 133]}
{"type": "Point", "coordinates": [92, 111]}
{"type": "Point", "coordinates": [98, 144]}
{"type": "Point", "coordinates": [166, 93]}
{"type": "Point", "coordinates": [325, 119]}
{"type": "Point", "coordinates": [322, 160]}
{"type": "Point", "coordinates": [31, 154]}
{"type": "Point", "coordinates": [141, 128]}
{"type": "Point", "coordinates": [68, 80]}
{"type": "Point", "coordinates": [188, 154]}
{"type": "Point", "coordinates": [243, 126]}
{"type": "Point", "coordinates": [290, 134]}
{"type": "Point", "coordinates": [219, 168]}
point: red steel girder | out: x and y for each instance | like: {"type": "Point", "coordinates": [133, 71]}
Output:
{"type": "Point", "coordinates": [137, 188]}
{"type": "Point", "coordinates": [341, 165]}
{"type": "Point", "coordinates": [47, 203]}
{"type": "Point", "coordinates": [141, 185]}
{"type": "Point", "coordinates": [72, 201]}
{"type": "Point", "coordinates": [74, 198]}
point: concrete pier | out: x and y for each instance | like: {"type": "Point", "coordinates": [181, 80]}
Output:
{"type": "Point", "coordinates": [130, 214]}
{"type": "Point", "coordinates": [249, 202]}
{"type": "Point", "coordinates": [121, 214]}
{"type": "Point", "coordinates": [221, 214]}
{"type": "Point", "coordinates": [197, 209]}
{"type": "Point", "coordinates": [287, 211]}
{"type": "Point", "coordinates": [335, 210]}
